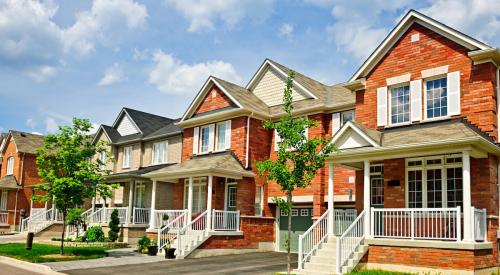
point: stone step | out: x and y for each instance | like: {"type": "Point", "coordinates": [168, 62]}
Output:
{"type": "Point", "coordinates": [323, 259]}
{"type": "Point", "coordinates": [320, 266]}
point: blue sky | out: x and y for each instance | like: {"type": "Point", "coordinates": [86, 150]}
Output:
{"type": "Point", "coordinates": [87, 59]}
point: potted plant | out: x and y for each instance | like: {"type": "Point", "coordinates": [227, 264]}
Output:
{"type": "Point", "coordinates": [169, 252]}
{"type": "Point", "coordinates": [153, 248]}
{"type": "Point", "coordinates": [143, 244]}
{"type": "Point", "coordinates": [165, 219]}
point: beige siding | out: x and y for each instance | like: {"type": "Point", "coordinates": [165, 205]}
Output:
{"type": "Point", "coordinates": [136, 157]}
{"type": "Point", "coordinates": [109, 148]}
{"type": "Point", "coordinates": [174, 150]}
{"type": "Point", "coordinates": [126, 127]}
{"type": "Point", "coordinates": [270, 89]}
{"type": "Point", "coordinates": [164, 195]}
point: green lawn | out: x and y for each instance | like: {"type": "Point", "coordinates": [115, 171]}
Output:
{"type": "Point", "coordinates": [36, 255]}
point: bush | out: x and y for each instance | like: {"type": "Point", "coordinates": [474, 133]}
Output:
{"type": "Point", "coordinates": [81, 239]}
{"type": "Point", "coordinates": [143, 243]}
{"type": "Point", "coordinates": [114, 226]}
{"type": "Point", "coordinates": [95, 234]}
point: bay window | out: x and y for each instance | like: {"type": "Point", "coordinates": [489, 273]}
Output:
{"type": "Point", "coordinates": [400, 104]}
{"type": "Point", "coordinates": [434, 182]}
{"type": "Point", "coordinates": [160, 152]}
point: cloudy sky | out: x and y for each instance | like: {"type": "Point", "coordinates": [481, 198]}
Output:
{"type": "Point", "coordinates": [64, 59]}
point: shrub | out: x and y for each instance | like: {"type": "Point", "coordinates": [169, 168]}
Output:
{"type": "Point", "coordinates": [81, 239]}
{"type": "Point", "coordinates": [114, 226]}
{"type": "Point", "coordinates": [95, 234]}
{"type": "Point", "coordinates": [143, 243]}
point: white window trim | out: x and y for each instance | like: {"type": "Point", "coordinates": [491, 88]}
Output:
{"type": "Point", "coordinates": [389, 106]}
{"type": "Point", "coordinates": [424, 168]}
{"type": "Point", "coordinates": [424, 82]}
{"type": "Point", "coordinates": [200, 142]}
{"type": "Point", "coordinates": [139, 185]}
{"type": "Point", "coordinates": [227, 127]}
{"type": "Point", "coordinates": [128, 162]}
{"type": "Point", "coordinates": [202, 199]}
{"type": "Point", "coordinates": [153, 152]}
{"type": "Point", "coordinates": [261, 197]}
{"type": "Point", "coordinates": [10, 165]}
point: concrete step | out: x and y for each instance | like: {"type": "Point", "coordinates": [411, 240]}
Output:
{"type": "Point", "coordinates": [312, 272]}
{"type": "Point", "coordinates": [320, 266]}
{"type": "Point", "coordinates": [322, 259]}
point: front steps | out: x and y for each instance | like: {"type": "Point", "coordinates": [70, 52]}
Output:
{"type": "Point", "coordinates": [191, 240]}
{"type": "Point", "coordinates": [324, 259]}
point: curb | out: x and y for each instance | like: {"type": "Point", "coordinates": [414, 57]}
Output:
{"type": "Point", "coordinates": [33, 267]}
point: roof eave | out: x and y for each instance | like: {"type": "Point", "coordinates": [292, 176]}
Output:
{"type": "Point", "coordinates": [484, 56]}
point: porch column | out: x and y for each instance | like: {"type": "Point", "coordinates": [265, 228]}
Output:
{"type": "Point", "coordinates": [190, 199]}
{"type": "Point", "coordinates": [53, 208]}
{"type": "Point", "coordinates": [93, 204]}
{"type": "Point", "coordinates": [331, 209]}
{"type": "Point", "coordinates": [209, 202]}
{"type": "Point", "coordinates": [366, 198]}
{"type": "Point", "coordinates": [153, 207]}
{"type": "Point", "coordinates": [131, 210]}
{"type": "Point", "coordinates": [467, 197]}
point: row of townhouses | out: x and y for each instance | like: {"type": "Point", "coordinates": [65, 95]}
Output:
{"type": "Point", "coordinates": [412, 187]}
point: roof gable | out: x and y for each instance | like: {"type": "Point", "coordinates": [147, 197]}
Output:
{"type": "Point", "coordinates": [125, 126]}
{"type": "Point", "coordinates": [25, 142]}
{"type": "Point", "coordinates": [213, 100]}
{"type": "Point", "coordinates": [406, 22]}
{"type": "Point", "coordinates": [352, 135]}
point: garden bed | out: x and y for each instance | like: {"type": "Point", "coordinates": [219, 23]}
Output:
{"type": "Point", "coordinates": [42, 253]}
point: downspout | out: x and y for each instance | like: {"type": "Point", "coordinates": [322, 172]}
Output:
{"type": "Point", "coordinates": [247, 163]}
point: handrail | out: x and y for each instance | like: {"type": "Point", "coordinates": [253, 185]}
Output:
{"type": "Point", "coordinates": [350, 241]}
{"type": "Point", "coordinates": [164, 230]}
{"type": "Point", "coordinates": [183, 230]}
{"type": "Point", "coordinates": [310, 240]}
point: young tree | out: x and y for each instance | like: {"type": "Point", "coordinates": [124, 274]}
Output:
{"type": "Point", "coordinates": [75, 218]}
{"type": "Point", "coordinates": [299, 158]}
{"type": "Point", "coordinates": [114, 226]}
{"type": "Point", "coordinates": [67, 163]}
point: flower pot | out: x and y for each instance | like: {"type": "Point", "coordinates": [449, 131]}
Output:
{"type": "Point", "coordinates": [170, 253]}
{"type": "Point", "coordinates": [152, 250]}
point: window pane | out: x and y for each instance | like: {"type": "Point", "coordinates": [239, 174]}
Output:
{"type": "Point", "coordinates": [205, 131]}
{"type": "Point", "coordinates": [347, 116]}
{"type": "Point", "coordinates": [377, 190]}
{"type": "Point", "coordinates": [415, 189]}
{"type": "Point", "coordinates": [454, 186]}
{"type": "Point", "coordinates": [434, 188]}
{"type": "Point", "coordinates": [221, 136]}
{"type": "Point", "coordinates": [400, 104]}
{"type": "Point", "coordinates": [436, 98]}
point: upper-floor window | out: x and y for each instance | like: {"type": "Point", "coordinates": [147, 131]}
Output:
{"type": "Point", "coordinates": [102, 158]}
{"type": "Point", "coordinates": [160, 154]}
{"type": "Point", "coordinates": [10, 166]}
{"type": "Point", "coordinates": [400, 104]}
{"type": "Point", "coordinates": [127, 156]}
{"type": "Point", "coordinates": [212, 137]}
{"type": "Point", "coordinates": [436, 98]}
{"type": "Point", "coordinates": [204, 139]}
{"type": "Point", "coordinates": [341, 118]}
{"type": "Point", "coordinates": [223, 135]}
{"type": "Point", "coordinates": [347, 116]}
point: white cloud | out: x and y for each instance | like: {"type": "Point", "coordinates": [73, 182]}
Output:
{"type": "Point", "coordinates": [33, 43]}
{"type": "Point", "coordinates": [172, 76]}
{"type": "Point", "coordinates": [31, 123]}
{"type": "Point", "coordinates": [51, 125]}
{"type": "Point", "coordinates": [286, 30]}
{"type": "Point", "coordinates": [112, 75]}
{"type": "Point", "coordinates": [140, 55]}
{"type": "Point", "coordinates": [202, 14]}
{"type": "Point", "coordinates": [37, 133]}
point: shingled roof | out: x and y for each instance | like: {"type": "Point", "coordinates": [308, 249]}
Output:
{"type": "Point", "coordinates": [26, 142]}
{"type": "Point", "coordinates": [9, 182]}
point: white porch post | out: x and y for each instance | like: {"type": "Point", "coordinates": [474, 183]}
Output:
{"type": "Point", "coordinates": [467, 197]}
{"type": "Point", "coordinates": [331, 209]}
{"type": "Point", "coordinates": [53, 208]}
{"type": "Point", "coordinates": [130, 201]}
{"type": "Point", "coordinates": [153, 207]}
{"type": "Point", "coordinates": [209, 203]}
{"type": "Point", "coordinates": [190, 199]}
{"type": "Point", "coordinates": [366, 197]}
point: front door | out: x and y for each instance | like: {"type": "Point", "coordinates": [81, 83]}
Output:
{"type": "Point", "coordinates": [301, 221]}
{"type": "Point", "coordinates": [231, 197]}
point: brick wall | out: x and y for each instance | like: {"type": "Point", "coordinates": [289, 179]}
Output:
{"type": "Point", "coordinates": [215, 99]}
{"type": "Point", "coordinates": [478, 96]}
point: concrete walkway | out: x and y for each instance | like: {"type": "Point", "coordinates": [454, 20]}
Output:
{"type": "Point", "coordinates": [117, 257]}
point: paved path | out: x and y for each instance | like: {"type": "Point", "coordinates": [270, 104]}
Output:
{"type": "Point", "coordinates": [252, 263]}
{"type": "Point", "coordinates": [15, 238]}
{"type": "Point", "coordinates": [12, 270]}
{"type": "Point", "coordinates": [125, 256]}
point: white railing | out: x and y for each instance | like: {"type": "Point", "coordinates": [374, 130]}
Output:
{"type": "Point", "coordinates": [141, 215]}
{"type": "Point", "coordinates": [122, 214]}
{"type": "Point", "coordinates": [343, 219]}
{"type": "Point", "coordinates": [4, 218]}
{"type": "Point", "coordinates": [225, 220]}
{"type": "Point", "coordinates": [479, 226]}
{"type": "Point", "coordinates": [161, 215]}
{"type": "Point", "coordinates": [312, 239]}
{"type": "Point", "coordinates": [86, 214]}
{"type": "Point", "coordinates": [186, 234]}
{"type": "Point", "coordinates": [40, 220]}
{"type": "Point", "coordinates": [165, 236]}
{"type": "Point", "coordinates": [96, 216]}
{"type": "Point", "coordinates": [417, 223]}
{"type": "Point", "coordinates": [349, 241]}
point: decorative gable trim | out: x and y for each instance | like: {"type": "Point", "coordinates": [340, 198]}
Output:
{"type": "Point", "coordinates": [202, 94]}
{"type": "Point", "coordinates": [356, 134]}
{"type": "Point", "coordinates": [120, 117]}
{"type": "Point", "coordinates": [415, 17]}
{"type": "Point", "coordinates": [97, 134]}
{"type": "Point", "coordinates": [263, 68]}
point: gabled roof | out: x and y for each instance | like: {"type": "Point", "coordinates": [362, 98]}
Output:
{"type": "Point", "coordinates": [354, 135]}
{"type": "Point", "coordinates": [404, 24]}
{"type": "Point", "coordinates": [146, 123]}
{"type": "Point", "coordinates": [25, 142]}
{"type": "Point", "coordinates": [246, 98]}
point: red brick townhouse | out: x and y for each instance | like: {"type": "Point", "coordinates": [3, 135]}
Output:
{"type": "Point", "coordinates": [18, 175]}
{"type": "Point", "coordinates": [228, 207]}
{"type": "Point", "coordinates": [424, 146]}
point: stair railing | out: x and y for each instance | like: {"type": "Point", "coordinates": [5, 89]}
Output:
{"type": "Point", "coordinates": [164, 236]}
{"type": "Point", "coordinates": [312, 239]}
{"type": "Point", "coordinates": [198, 224]}
{"type": "Point", "coordinates": [350, 241]}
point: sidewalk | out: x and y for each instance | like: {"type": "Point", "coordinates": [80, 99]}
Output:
{"type": "Point", "coordinates": [117, 257]}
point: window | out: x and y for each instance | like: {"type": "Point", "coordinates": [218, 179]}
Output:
{"type": "Point", "coordinates": [259, 199]}
{"type": "Point", "coordinates": [204, 139]}
{"type": "Point", "coordinates": [140, 192]}
{"type": "Point", "coordinates": [223, 138]}
{"type": "Point", "coordinates": [295, 212]}
{"type": "Point", "coordinates": [10, 166]}
{"type": "Point", "coordinates": [127, 156]}
{"type": "Point", "coordinates": [102, 158]}
{"type": "Point", "coordinates": [160, 154]}
{"type": "Point", "coordinates": [377, 184]}
{"type": "Point", "coordinates": [436, 98]}
{"type": "Point", "coordinates": [347, 116]}
{"type": "Point", "coordinates": [304, 212]}
{"type": "Point", "coordinates": [199, 195]}
{"type": "Point", "coordinates": [3, 200]}
{"type": "Point", "coordinates": [400, 104]}
{"type": "Point", "coordinates": [434, 182]}
{"type": "Point", "coordinates": [232, 195]}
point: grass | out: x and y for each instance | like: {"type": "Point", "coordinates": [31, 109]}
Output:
{"type": "Point", "coordinates": [42, 253]}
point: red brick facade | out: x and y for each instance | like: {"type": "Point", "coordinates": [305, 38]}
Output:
{"type": "Point", "coordinates": [215, 99]}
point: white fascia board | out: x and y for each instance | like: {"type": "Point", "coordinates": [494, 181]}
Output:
{"type": "Point", "coordinates": [403, 26]}
{"type": "Point", "coordinates": [350, 125]}
{"type": "Point", "coordinates": [118, 118]}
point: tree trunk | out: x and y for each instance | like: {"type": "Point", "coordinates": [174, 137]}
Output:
{"type": "Point", "coordinates": [289, 205]}
{"type": "Point", "coordinates": [63, 231]}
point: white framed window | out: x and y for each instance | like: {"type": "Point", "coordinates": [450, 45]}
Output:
{"type": "Point", "coordinates": [377, 184]}
{"type": "Point", "coordinates": [304, 212]}
{"type": "Point", "coordinates": [399, 100]}
{"type": "Point", "coordinates": [223, 135]}
{"type": "Point", "coordinates": [259, 199]}
{"type": "Point", "coordinates": [140, 194]}
{"type": "Point", "coordinates": [199, 194]}
{"type": "Point", "coordinates": [3, 200]}
{"type": "Point", "coordinates": [277, 139]}
{"type": "Point", "coordinates": [347, 116]}
{"type": "Point", "coordinates": [436, 98]}
{"type": "Point", "coordinates": [434, 182]}
{"type": "Point", "coordinates": [341, 118]}
{"type": "Point", "coordinates": [295, 212]}
{"type": "Point", "coordinates": [204, 139]}
{"type": "Point", "coordinates": [102, 158]}
{"type": "Point", "coordinates": [160, 152]}
{"type": "Point", "coordinates": [10, 166]}
{"type": "Point", "coordinates": [283, 213]}
{"type": "Point", "coordinates": [127, 156]}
